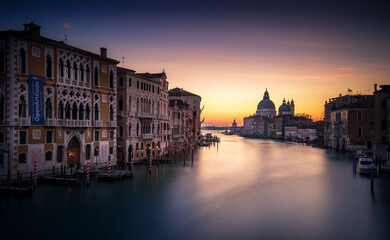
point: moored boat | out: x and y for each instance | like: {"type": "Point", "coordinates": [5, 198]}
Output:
{"type": "Point", "coordinates": [365, 165]}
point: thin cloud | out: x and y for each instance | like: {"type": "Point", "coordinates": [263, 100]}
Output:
{"type": "Point", "coordinates": [67, 25]}
{"type": "Point", "coordinates": [347, 69]}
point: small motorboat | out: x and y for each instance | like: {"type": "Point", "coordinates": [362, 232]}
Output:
{"type": "Point", "coordinates": [365, 165]}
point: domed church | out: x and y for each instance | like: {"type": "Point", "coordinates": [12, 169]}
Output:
{"type": "Point", "coordinates": [266, 107]}
{"type": "Point", "coordinates": [286, 109]}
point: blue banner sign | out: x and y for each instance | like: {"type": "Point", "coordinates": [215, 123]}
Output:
{"type": "Point", "coordinates": [36, 99]}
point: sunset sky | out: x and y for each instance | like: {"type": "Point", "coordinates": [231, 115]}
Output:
{"type": "Point", "coordinates": [229, 52]}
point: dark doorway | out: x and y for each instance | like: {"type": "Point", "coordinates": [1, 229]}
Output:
{"type": "Point", "coordinates": [74, 153]}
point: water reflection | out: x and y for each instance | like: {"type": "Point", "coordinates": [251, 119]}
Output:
{"type": "Point", "coordinates": [242, 189]}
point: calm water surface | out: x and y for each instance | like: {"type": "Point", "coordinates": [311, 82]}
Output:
{"type": "Point", "coordinates": [244, 189]}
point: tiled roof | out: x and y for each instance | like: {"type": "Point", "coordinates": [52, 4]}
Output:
{"type": "Point", "coordinates": [180, 92]}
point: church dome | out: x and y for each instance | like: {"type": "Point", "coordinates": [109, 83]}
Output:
{"type": "Point", "coordinates": [266, 103]}
{"type": "Point", "coordinates": [284, 108]}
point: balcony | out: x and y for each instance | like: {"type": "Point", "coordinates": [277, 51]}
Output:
{"type": "Point", "coordinates": [50, 122]}
{"type": "Point", "coordinates": [23, 122]}
{"type": "Point", "coordinates": [97, 123]}
{"type": "Point", "coordinates": [147, 136]}
{"type": "Point", "coordinates": [130, 114]}
{"type": "Point", "coordinates": [113, 124]}
{"type": "Point", "coordinates": [120, 114]}
{"type": "Point", "coordinates": [145, 115]}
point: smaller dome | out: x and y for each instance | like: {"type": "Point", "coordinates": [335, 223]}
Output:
{"type": "Point", "coordinates": [284, 108]}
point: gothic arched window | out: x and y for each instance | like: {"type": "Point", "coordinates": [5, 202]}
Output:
{"type": "Point", "coordinates": [87, 112]}
{"type": "Point", "coordinates": [67, 110]}
{"type": "Point", "coordinates": [129, 129]}
{"type": "Point", "coordinates": [137, 129]}
{"type": "Point", "coordinates": [74, 111]}
{"type": "Point", "coordinates": [49, 109]}
{"type": "Point", "coordinates": [68, 70]}
{"type": "Point", "coordinates": [61, 68]}
{"type": "Point", "coordinates": [88, 74]}
{"type": "Point", "coordinates": [96, 110]}
{"type": "Point", "coordinates": [60, 110]}
{"type": "Point", "coordinates": [81, 112]}
{"type": "Point", "coordinates": [22, 107]}
{"type": "Point", "coordinates": [74, 71]}
{"type": "Point", "coordinates": [81, 73]}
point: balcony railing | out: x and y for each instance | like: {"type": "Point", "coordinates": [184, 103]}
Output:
{"type": "Point", "coordinates": [73, 82]}
{"type": "Point", "coordinates": [112, 124]}
{"type": "Point", "coordinates": [120, 114]}
{"type": "Point", "coordinates": [145, 115]}
{"type": "Point", "coordinates": [147, 136]}
{"type": "Point", "coordinates": [50, 122]}
{"type": "Point", "coordinates": [130, 114]}
{"type": "Point", "coordinates": [23, 122]}
{"type": "Point", "coordinates": [72, 123]}
{"type": "Point", "coordinates": [97, 123]}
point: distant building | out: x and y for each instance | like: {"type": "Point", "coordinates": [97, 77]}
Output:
{"type": "Point", "coordinates": [235, 129]}
{"type": "Point", "coordinates": [178, 112]}
{"type": "Point", "coordinates": [193, 101]}
{"type": "Point", "coordinates": [142, 115]}
{"type": "Point", "coordinates": [265, 123]}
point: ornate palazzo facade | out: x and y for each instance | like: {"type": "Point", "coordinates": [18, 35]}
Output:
{"type": "Point", "coordinates": [58, 103]}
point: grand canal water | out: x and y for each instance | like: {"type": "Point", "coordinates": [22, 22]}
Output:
{"type": "Point", "coordinates": [242, 189]}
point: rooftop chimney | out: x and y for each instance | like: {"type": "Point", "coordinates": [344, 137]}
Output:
{"type": "Point", "coordinates": [375, 87]}
{"type": "Point", "coordinates": [33, 29]}
{"type": "Point", "coordinates": [103, 52]}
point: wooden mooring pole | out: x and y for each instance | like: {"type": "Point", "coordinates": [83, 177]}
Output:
{"type": "Point", "coordinates": [372, 179]}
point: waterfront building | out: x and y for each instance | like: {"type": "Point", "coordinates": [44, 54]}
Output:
{"type": "Point", "coordinates": [332, 104]}
{"type": "Point", "coordinates": [142, 115]}
{"type": "Point", "coordinates": [287, 108]}
{"type": "Point", "coordinates": [266, 108]}
{"type": "Point", "coordinates": [352, 126]}
{"type": "Point", "coordinates": [178, 116]}
{"type": "Point", "coordinates": [382, 122]}
{"type": "Point", "coordinates": [265, 123]}
{"type": "Point", "coordinates": [193, 101]}
{"type": "Point", "coordinates": [235, 129]}
{"type": "Point", "coordinates": [306, 134]}
{"type": "Point", "coordinates": [57, 103]}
